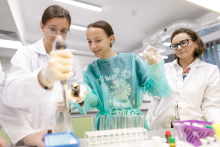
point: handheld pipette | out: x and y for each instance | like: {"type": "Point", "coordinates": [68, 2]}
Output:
{"type": "Point", "coordinates": [60, 44]}
{"type": "Point", "coordinates": [75, 91]}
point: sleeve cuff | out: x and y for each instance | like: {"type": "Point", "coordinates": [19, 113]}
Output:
{"type": "Point", "coordinates": [37, 89]}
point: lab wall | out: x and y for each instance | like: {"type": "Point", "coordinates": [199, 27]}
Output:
{"type": "Point", "coordinates": [6, 64]}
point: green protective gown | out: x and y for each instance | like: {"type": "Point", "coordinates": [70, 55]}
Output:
{"type": "Point", "coordinates": [116, 85]}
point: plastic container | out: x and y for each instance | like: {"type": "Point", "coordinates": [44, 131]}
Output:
{"type": "Point", "coordinates": [192, 134]}
{"type": "Point", "coordinates": [66, 139]}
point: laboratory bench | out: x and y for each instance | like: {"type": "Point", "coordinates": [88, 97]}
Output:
{"type": "Point", "coordinates": [152, 133]}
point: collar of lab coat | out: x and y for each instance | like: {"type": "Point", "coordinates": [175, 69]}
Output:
{"type": "Point", "coordinates": [198, 63]}
{"type": "Point", "coordinates": [194, 70]}
{"type": "Point", "coordinates": [40, 48]}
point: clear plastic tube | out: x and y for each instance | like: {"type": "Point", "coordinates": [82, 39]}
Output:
{"type": "Point", "coordinates": [129, 122]}
{"type": "Point", "coordinates": [102, 122]}
{"type": "Point", "coordinates": [108, 123]}
{"type": "Point", "coordinates": [94, 126]}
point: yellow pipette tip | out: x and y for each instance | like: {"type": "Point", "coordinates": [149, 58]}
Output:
{"type": "Point", "coordinates": [75, 85]}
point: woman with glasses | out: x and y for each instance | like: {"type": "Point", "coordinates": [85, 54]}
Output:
{"type": "Point", "coordinates": [33, 87]}
{"type": "Point", "coordinates": [192, 82]}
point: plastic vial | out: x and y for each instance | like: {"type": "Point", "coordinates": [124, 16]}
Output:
{"type": "Point", "coordinates": [204, 142]}
{"type": "Point", "coordinates": [156, 141]}
{"type": "Point", "coordinates": [172, 142]}
{"type": "Point", "coordinates": [167, 135]}
{"type": "Point", "coordinates": [187, 123]}
{"type": "Point", "coordinates": [212, 142]}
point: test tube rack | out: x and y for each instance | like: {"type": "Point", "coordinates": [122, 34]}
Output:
{"type": "Point", "coordinates": [131, 137]}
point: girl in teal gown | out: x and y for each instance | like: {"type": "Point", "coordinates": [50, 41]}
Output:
{"type": "Point", "coordinates": [115, 83]}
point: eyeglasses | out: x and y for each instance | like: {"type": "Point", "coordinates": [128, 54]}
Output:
{"type": "Point", "coordinates": [183, 43]}
{"type": "Point", "coordinates": [53, 32]}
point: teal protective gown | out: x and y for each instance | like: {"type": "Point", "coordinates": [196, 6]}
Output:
{"type": "Point", "coordinates": [116, 85]}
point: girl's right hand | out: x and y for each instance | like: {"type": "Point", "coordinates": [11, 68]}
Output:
{"type": "Point", "coordinates": [152, 57]}
{"type": "Point", "coordinates": [82, 95]}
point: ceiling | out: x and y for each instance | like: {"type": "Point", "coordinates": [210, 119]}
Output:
{"type": "Point", "coordinates": [129, 28]}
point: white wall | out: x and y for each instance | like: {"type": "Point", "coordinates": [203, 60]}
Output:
{"type": "Point", "coordinates": [6, 64]}
{"type": "Point", "coordinates": [81, 61]}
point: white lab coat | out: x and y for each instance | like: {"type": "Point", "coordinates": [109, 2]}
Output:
{"type": "Point", "coordinates": [203, 81]}
{"type": "Point", "coordinates": [23, 92]}
{"type": "Point", "coordinates": [12, 119]}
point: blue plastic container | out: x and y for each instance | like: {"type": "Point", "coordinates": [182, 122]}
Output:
{"type": "Point", "coordinates": [65, 139]}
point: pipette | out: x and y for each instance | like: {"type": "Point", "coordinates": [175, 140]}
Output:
{"type": "Point", "coordinates": [75, 91]}
{"type": "Point", "coordinates": [60, 44]}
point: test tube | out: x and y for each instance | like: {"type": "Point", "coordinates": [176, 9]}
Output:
{"type": "Point", "coordinates": [123, 122]}
{"type": "Point", "coordinates": [108, 123]}
{"type": "Point", "coordinates": [118, 121]}
{"type": "Point", "coordinates": [114, 120]}
{"type": "Point", "coordinates": [94, 124]}
{"type": "Point", "coordinates": [140, 119]}
{"type": "Point", "coordinates": [134, 120]}
{"type": "Point", "coordinates": [129, 121]}
{"type": "Point", "coordinates": [102, 122]}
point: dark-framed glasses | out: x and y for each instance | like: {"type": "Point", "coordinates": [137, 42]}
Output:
{"type": "Point", "coordinates": [183, 43]}
{"type": "Point", "coordinates": [53, 32]}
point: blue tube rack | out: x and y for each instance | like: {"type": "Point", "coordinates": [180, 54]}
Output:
{"type": "Point", "coordinates": [65, 139]}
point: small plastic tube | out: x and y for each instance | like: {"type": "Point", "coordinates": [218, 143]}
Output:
{"type": "Point", "coordinates": [94, 126]}
{"type": "Point", "coordinates": [211, 141]}
{"type": "Point", "coordinates": [194, 124]}
{"type": "Point", "coordinates": [108, 123]}
{"type": "Point", "coordinates": [179, 143]}
{"type": "Point", "coordinates": [201, 126]}
{"type": "Point", "coordinates": [156, 141]}
{"type": "Point", "coordinates": [102, 122]}
{"type": "Point", "coordinates": [187, 123]}
{"type": "Point", "coordinates": [114, 125]}
{"type": "Point", "coordinates": [134, 120]}
{"type": "Point", "coordinates": [123, 121]}
{"type": "Point", "coordinates": [129, 122]}
{"type": "Point", "coordinates": [118, 121]}
{"type": "Point", "coordinates": [204, 142]}
{"type": "Point", "coordinates": [140, 121]}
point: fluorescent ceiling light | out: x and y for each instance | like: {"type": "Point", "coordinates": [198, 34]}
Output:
{"type": "Point", "coordinates": [10, 44]}
{"type": "Point", "coordinates": [166, 44]}
{"type": "Point", "coordinates": [161, 50]}
{"type": "Point", "coordinates": [80, 4]}
{"type": "Point", "coordinates": [78, 27]}
{"type": "Point", "coordinates": [165, 57]}
{"type": "Point", "coordinates": [209, 4]}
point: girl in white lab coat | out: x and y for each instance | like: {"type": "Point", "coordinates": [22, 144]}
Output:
{"type": "Point", "coordinates": [191, 80]}
{"type": "Point", "coordinates": [32, 86]}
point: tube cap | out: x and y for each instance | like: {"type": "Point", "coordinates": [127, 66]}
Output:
{"type": "Point", "coordinates": [209, 127]}
{"type": "Point", "coordinates": [168, 133]}
{"type": "Point", "coordinates": [171, 140]}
